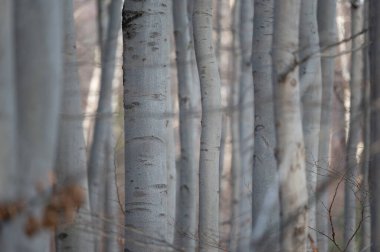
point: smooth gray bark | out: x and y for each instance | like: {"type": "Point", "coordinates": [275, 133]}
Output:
{"type": "Point", "coordinates": [311, 95]}
{"type": "Point", "coordinates": [264, 173]}
{"type": "Point", "coordinates": [326, 16]}
{"type": "Point", "coordinates": [374, 171]}
{"type": "Point", "coordinates": [146, 81]}
{"type": "Point", "coordinates": [290, 150]}
{"type": "Point", "coordinates": [355, 127]}
{"type": "Point", "coordinates": [246, 119]}
{"type": "Point", "coordinates": [186, 215]}
{"type": "Point", "coordinates": [8, 120]}
{"type": "Point", "coordinates": [71, 167]}
{"type": "Point", "coordinates": [211, 127]}
{"type": "Point", "coordinates": [38, 54]}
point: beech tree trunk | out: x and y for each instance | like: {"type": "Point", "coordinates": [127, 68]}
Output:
{"type": "Point", "coordinates": [146, 81]}
{"type": "Point", "coordinates": [186, 215]}
{"type": "Point", "coordinates": [290, 144]}
{"type": "Point", "coordinates": [211, 127]}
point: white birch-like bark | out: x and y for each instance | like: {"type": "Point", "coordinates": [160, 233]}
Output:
{"type": "Point", "coordinates": [326, 16]}
{"type": "Point", "coordinates": [355, 128]}
{"type": "Point", "coordinates": [311, 95]}
{"type": "Point", "coordinates": [71, 167]}
{"type": "Point", "coordinates": [290, 151]}
{"type": "Point", "coordinates": [146, 81]}
{"type": "Point", "coordinates": [246, 118]}
{"type": "Point", "coordinates": [374, 172]}
{"type": "Point", "coordinates": [211, 127]}
{"type": "Point", "coordinates": [103, 121]}
{"type": "Point", "coordinates": [234, 129]}
{"type": "Point", "coordinates": [264, 173]}
{"type": "Point", "coordinates": [8, 121]}
{"type": "Point", "coordinates": [186, 215]}
{"type": "Point", "coordinates": [38, 54]}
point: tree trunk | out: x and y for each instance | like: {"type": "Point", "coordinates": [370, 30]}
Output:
{"type": "Point", "coordinates": [374, 172]}
{"type": "Point", "coordinates": [311, 95]}
{"type": "Point", "coordinates": [264, 174]}
{"type": "Point", "coordinates": [355, 128]}
{"type": "Point", "coordinates": [146, 80]}
{"type": "Point", "coordinates": [71, 154]}
{"type": "Point", "coordinates": [290, 144]}
{"type": "Point", "coordinates": [246, 118]}
{"type": "Point", "coordinates": [9, 176]}
{"type": "Point", "coordinates": [211, 127]}
{"type": "Point", "coordinates": [38, 47]}
{"type": "Point", "coordinates": [326, 15]}
{"type": "Point", "coordinates": [186, 218]}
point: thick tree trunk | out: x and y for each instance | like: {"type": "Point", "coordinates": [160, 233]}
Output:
{"type": "Point", "coordinates": [211, 127]}
{"type": "Point", "coordinates": [374, 171]}
{"type": "Point", "coordinates": [290, 143]}
{"type": "Point", "coordinates": [326, 15]}
{"type": "Point", "coordinates": [38, 47]}
{"type": "Point", "coordinates": [71, 155]}
{"type": "Point", "coordinates": [186, 215]}
{"type": "Point", "coordinates": [146, 80]}
{"type": "Point", "coordinates": [355, 128]}
{"type": "Point", "coordinates": [264, 176]}
{"type": "Point", "coordinates": [246, 119]}
{"type": "Point", "coordinates": [311, 95]}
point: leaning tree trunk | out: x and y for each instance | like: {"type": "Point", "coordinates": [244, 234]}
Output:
{"type": "Point", "coordinates": [186, 217]}
{"type": "Point", "coordinates": [290, 143]}
{"type": "Point", "coordinates": [71, 165]}
{"type": "Point", "coordinates": [246, 119]}
{"type": "Point", "coordinates": [311, 87]}
{"type": "Point", "coordinates": [8, 122]}
{"type": "Point", "coordinates": [146, 80]}
{"type": "Point", "coordinates": [211, 127]}
{"type": "Point", "coordinates": [264, 174]}
{"type": "Point", "coordinates": [326, 15]}
{"type": "Point", "coordinates": [374, 171]}
{"type": "Point", "coordinates": [38, 47]}
{"type": "Point", "coordinates": [355, 128]}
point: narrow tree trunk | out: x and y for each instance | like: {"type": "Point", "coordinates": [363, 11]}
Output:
{"type": "Point", "coordinates": [38, 47]}
{"type": "Point", "coordinates": [71, 154]}
{"type": "Point", "coordinates": [311, 95]}
{"type": "Point", "coordinates": [264, 176]}
{"type": "Point", "coordinates": [290, 144]}
{"type": "Point", "coordinates": [186, 218]}
{"type": "Point", "coordinates": [103, 120]}
{"type": "Point", "coordinates": [9, 175]}
{"type": "Point", "coordinates": [326, 15]}
{"type": "Point", "coordinates": [355, 128]}
{"type": "Point", "coordinates": [246, 119]}
{"type": "Point", "coordinates": [374, 171]}
{"type": "Point", "coordinates": [146, 80]}
{"type": "Point", "coordinates": [211, 127]}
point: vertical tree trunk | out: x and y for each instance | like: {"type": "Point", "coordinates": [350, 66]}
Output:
{"type": "Point", "coordinates": [211, 127]}
{"type": "Point", "coordinates": [71, 153]}
{"type": "Point", "coordinates": [146, 80]}
{"type": "Point", "coordinates": [38, 36]}
{"type": "Point", "coordinates": [186, 217]}
{"type": "Point", "coordinates": [246, 119]}
{"type": "Point", "coordinates": [374, 171]}
{"type": "Point", "coordinates": [8, 121]}
{"type": "Point", "coordinates": [326, 15]}
{"type": "Point", "coordinates": [355, 128]}
{"type": "Point", "coordinates": [290, 143]}
{"type": "Point", "coordinates": [311, 95]}
{"type": "Point", "coordinates": [264, 182]}
{"type": "Point", "coordinates": [103, 122]}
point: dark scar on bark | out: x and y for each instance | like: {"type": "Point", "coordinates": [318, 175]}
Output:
{"type": "Point", "coordinates": [128, 16]}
